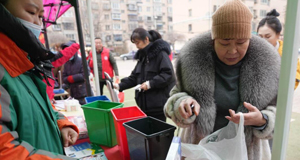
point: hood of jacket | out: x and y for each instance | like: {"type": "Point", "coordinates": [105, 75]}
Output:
{"type": "Point", "coordinates": [152, 49]}
{"type": "Point", "coordinates": [27, 41]}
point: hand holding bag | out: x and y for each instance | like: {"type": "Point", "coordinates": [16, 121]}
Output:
{"type": "Point", "coordinates": [227, 143]}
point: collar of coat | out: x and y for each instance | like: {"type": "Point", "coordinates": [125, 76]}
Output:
{"type": "Point", "coordinates": [258, 83]}
{"type": "Point", "coordinates": [153, 49]}
{"type": "Point", "coordinates": [24, 39]}
{"type": "Point", "coordinates": [12, 58]}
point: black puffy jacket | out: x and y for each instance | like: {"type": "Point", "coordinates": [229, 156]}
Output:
{"type": "Point", "coordinates": [154, 66]}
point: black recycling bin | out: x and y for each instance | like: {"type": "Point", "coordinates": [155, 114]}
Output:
{"type": "Point", "coordinates": [148, 138]}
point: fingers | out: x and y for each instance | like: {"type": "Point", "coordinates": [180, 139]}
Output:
{"type": "Point", "coordinates": [73, 138]}
{"type": "Point", "coordinates": [233, 116]}
{"type": "Point", "coordinates": [65, 136]}
{"type": "Point", "coordinates": [196, 108]}
{"type": "Point", "coordinates": [185, 108]}
{"type": "Point", "coordinates": [250, 107]}
{"type": "Point", "coordinates": [144, 87]}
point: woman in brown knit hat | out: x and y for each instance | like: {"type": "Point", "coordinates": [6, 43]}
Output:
{"type": "Point", "coordinates": [223, 72]}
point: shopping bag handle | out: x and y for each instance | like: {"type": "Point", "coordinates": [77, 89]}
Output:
{"type": "Point", "coordinates": [240, 128]}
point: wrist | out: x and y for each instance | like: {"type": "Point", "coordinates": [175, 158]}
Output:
{"type": "Point", "coordinates": [263, 120]}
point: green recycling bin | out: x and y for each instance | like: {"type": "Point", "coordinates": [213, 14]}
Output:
{"type": "Point", "coordinates": [100, 122]}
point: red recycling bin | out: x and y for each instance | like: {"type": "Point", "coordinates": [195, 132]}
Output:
{"type": "Point", "coordinates": [122, 115]}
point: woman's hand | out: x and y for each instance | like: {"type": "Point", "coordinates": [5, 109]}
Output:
{"type": "Point", "coordinates": [185, 109]}
{"type": "Point", "coordinates": [253, 117]}
{"type": "Point", "coordinates": [69, 136]}
{"type": "Point", "coordinates": [116, 86]}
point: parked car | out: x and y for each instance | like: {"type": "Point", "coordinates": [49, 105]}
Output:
{"type": "Point", "coordinates": [129, 55]}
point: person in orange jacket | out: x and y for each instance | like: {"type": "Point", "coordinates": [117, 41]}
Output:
{"type": "Point", "coordinates": [29, 127]}
{"type": "Point", "coordinates": [269, 28]}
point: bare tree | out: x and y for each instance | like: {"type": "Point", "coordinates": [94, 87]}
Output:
{"type": "Point", "coordinates": [97, 18]}
{"type": "Point", "coordinates": [172, 37]}
{"type": "Point", "coordinates": [54, 37]}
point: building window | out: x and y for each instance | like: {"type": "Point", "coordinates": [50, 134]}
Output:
{"type": "Point", "coordinates": [149, 18]}
{"type": "Point", "coordinates": [132, 26]}
{"type": "Point", "coordinates": [148, 0]}
{"type": "Point", "coordinates": [116, 16]}
{"type": "Point", "coordinates": [215, 8]}
{"type": "Point", "coordinates": [71, 36]}
{"type": "Point", "coordinates": [251, 9]}
{"type": "Point", "coordinates": [96, 16]}
{"type": "Point", "coordinates": [95, 6]}
{"type": "Point", "coordinates": [159, 26]}
{"type": "Point", "coordinates": [69, 13]}
{"type": "Point", "coordinates": [68, 26]}
{"type": "Point", "coordinates": [115, 5]}
{"type": "Point", "coordinates": [170, 1]}
{"type": "Point", "coordinates": [190, 27]}
{"type": "Point", "coordinates": [132, 17]}
{"type": "Point", "coordinates": [157, 0]}
{"type": "Point", "coordinates": [106, 16]}
{"type": "Point", "coordinates": [263, 13]}
{"type": "Point", "coordinates": [108, 38]}
{"type": "Point", "coordinates": [87, 37]}
{"type": "Point", "coordinates": [157, 9]}
{"type": "Point", "coordinates": [131, 7]}
{"type": "Point", "coordinates": [85, 26]}
{"type": "Point", "coordinates": [107, 27]}
{"type": "Point", "coordinates": [117, 27]}
{"type": "Point", "coordinates": [148, 9]}
{"type": "Point", "coordinates": [170, 28]}
{"type": "Point", "coordinates": [159, 18]}
{"type": "Point", "coordinates": [253, 26]}
{"type": "Point", "coordinates": [170, 19]}
{"type": "Point", "coordinates": [190, 12]}
{"type": "Point", "coordinates": [254, 13]}
{"type": "Point", "coordinates": [140, 8]}
{"type": "Point", "coordinates": [106, 6]}
{"type": "Point", "coordinates": [264, 1]}
{"type": "Point", "coordinates": [140, 18]}
{"type": "Point", "coordinates": [170, 10]}
{"type": "Point", "coordinates": [118, 37]}
{"type": "Point", "coordinates": [56, 27]}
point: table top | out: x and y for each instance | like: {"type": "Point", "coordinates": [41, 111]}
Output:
{"type": "Point", "coordinates": [112, 153]}
{"type": "Point", "coordinates": [61, 94]}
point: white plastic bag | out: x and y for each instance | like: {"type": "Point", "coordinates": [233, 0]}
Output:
{"type": "Point", "coordinates": [227, 143]}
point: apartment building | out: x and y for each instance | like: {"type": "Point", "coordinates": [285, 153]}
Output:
{"type": "Point", "coordinates": [192, 17]}
{"type": "Point", "coordinates": [114, 21]}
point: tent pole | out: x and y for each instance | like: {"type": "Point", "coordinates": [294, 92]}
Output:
{"type": "Point", "coordinates": [92, 34]}
{"type": "Point", "coordinates": [287, 80]}
{"type": "Point", "coordinates": [75, 4]}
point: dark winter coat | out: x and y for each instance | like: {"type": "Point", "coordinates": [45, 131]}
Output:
{"type": "Point", "coordinates": [258, 84]}
{"type": "Point", "coordinates": [74, 76]}
{"type": "Point", "coordinates": [154, 66]}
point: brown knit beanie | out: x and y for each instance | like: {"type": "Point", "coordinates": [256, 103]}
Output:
{"type": "Point", "coordinates": [232, 20]}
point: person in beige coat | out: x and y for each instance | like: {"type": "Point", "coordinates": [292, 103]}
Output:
{"type": "Point", "coordinates": [223, 72]}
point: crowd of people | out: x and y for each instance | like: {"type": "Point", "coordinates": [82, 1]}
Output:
{"type": "Point", "coordinates": [221, 72]}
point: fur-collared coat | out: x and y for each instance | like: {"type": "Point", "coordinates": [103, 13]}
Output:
{"type": "Point", "coordinates": [258, 85]}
